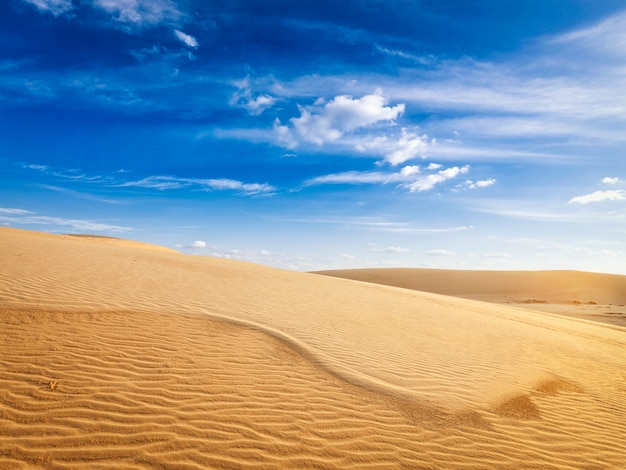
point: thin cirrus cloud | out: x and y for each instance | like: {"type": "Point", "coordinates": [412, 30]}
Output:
{"type": "Point", "coordinates": [23, 217]}
{"type": "Point", "coordinates": [140, 13]}
{"type": "Point", "coordinates": [409, 177]}
{"type": "Point", "coordinates": [160, 182]}
{"type": "Point", "coordinates": [55, 7]}
{"type": "Point", "coordinates": [218, 184]}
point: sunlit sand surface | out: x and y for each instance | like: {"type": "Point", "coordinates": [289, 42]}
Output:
{"type": "Point", "coordinates": [591, 296]}
{"type": "Point", "coordinates": [116, 354]}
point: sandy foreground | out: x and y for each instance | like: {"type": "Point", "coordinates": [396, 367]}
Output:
{"type": "Point", "coordinates": [117, 354]}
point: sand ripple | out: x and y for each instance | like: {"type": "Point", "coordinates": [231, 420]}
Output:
{"type": "Point", "coordinates": [114, 357]}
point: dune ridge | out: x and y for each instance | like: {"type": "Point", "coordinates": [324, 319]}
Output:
{"type": "Point", "coordinates": [117, 355]}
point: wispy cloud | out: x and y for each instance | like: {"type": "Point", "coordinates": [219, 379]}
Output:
{"type": "Point", "coordinates": [217, 184]}
{"type": "Point", "coordinates": [24, 217]}
{"type": "Point", "coordinates": [388, 249]}
{"type": "Point", "coordinates": [440, 252]}
{"type": "Point", "coordinates": [245, 98]}
{"type": "Point", "coordinates": [55, 7]}
{"type": "Point", "coordinates": [140, 13]}
{"type": "Point", "coordinates": [429, 182]}
{"type": "Point", "coordinates": [599, 196]}
{"type": "Point", "coordinates": [409, 177]}
{"type": "Point", "coordinates": [159, 182]}
{"type": "Point", "coordinates": [12, 211]}
{"type": "Point", "coordinates": [366, 177]}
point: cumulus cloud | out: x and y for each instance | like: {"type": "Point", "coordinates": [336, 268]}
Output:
{"type": "Point", "coordinates": [55, 7]}
{"type": "Point", "coordinates": [198, 244]}
{"type": "Point", "coordinates": [244, 98]}
{"type": "Point", "coordinates": [480, 184]}
{"type": "Point", "coordinates": [429, 182]}
{"type": "Point", "coordinates": [326, 122]}
{"type": "Point", "coordinates": [186, 38]}
{"type": "Point", "coordinates": [407, 147]}
{"type": "Point", "coordinates": [598, 196]}
{"type": "Point", "coordinates": [609, 180]}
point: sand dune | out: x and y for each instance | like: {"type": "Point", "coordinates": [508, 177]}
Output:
{"type": "Point", "coordinates": [591, 296]}
{"type": "Point", "coordinates": [115, 356]}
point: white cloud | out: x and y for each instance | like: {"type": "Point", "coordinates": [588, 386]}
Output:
{"type": "Point", "coordinates": [598, 196]}
{"type": "Point", "coordinates": [407, 147]}
{"type": "Point", "coordinates": [365, 177]}
{"type": "Point", "coordinates": [248, 188]}
{"type": "Point", "coordinates": [480, 184]}
{"type": "Point", "coordinates": [140, 12]}
{"type": "Point", "coordinates": [244, 98]}
{"type": "Point", "coordinates": [440, 252]}
{"type": "Point", "coordinates": [609, 180]}
{"type": "Point", "coordinates": [186, 38]}
{"type": "Point", "coordinates": [198, 244]}
{"type": "Point", "coordinates": [434, 166]}
{"type": "Point", "coordinates": [396, 149]}
{"type": "Point", "coordinates": [36, 167]}
{"type": "Point", "coordinates": [159, 182]}
{"type": "Point", "coordinates": [55, 7]}
{"type": "Point", "coordinates": [429, 182]}
{"type": "Point", "coordinates": [389, 249]}
{"type": "Point", "coordinates": [326, 122]}
{"type": "Point", "coordinates": [170, 182]}
{"type": "Point", "coordinates": [25, 218]}
{"type": "Point", "coordinates": [407, 177]}
{"type": "Point", "coordinates": [8, 210]}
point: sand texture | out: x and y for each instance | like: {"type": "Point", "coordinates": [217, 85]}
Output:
{"type": "Point", "coordinates": [116, 355]}
{"type": "Point", "coordinates": [590, 296]}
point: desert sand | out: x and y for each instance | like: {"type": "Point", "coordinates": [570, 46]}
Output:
{"type": "Point", "coordinates": [592, 296]}
{"type": "Point", "coordinates": [117, 354]}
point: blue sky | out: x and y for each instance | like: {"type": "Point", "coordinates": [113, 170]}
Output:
{"type": "Point", "coordinates": [467, 134]}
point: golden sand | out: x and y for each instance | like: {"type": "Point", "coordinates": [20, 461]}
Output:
{"type": "Point", "coordinates": [117, 356]}
{"type": "Point", "coordinates": [591, 296]}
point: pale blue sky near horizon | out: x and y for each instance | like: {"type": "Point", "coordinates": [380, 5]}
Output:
{"type": "Point", "coordinates": [458, 134]}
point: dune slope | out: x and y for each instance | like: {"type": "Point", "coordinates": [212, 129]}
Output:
{"type": "Point", "coordinates": [114, 355]}
{"type": "Point", "coordinates": [592, 296]}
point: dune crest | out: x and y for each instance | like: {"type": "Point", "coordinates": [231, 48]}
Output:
{"type": "Point", "coordinates": [122, 356]}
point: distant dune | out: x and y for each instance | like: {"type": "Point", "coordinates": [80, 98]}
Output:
{"type": "Point", "coordinates": [593, 296]}
{"type": "Point", "coordinates": [117, 356]}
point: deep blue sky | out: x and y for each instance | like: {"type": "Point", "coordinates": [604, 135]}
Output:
{"type": "Point", "coordinates": [486, 134]}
